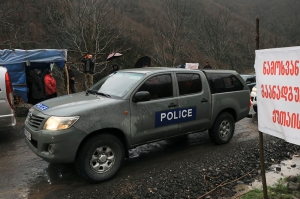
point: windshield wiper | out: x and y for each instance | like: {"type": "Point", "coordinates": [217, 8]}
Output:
{"type": "Point", "coordinates": [106, 95]}
{"type": "Point", "coordinates": [90, 91]}
{"type": "Point", "coordinates": [97, 93]}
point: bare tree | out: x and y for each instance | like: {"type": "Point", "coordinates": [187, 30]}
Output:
{"type": "Point", "coordinates": [172, 37]}
{"type": "Point", "coordinates": [83, 26]}
{"type": "Point", "coordinates": [240, 56]}
{"type": "Point", "coordinates": [6, 24]}
{"type": "Point", "coordinates": [19, 27]}
{"type": "Point", "coordinates": [214, 35]}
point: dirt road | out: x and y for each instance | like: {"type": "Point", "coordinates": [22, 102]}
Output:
{"type": "Point", "coordinates": [186, 167]}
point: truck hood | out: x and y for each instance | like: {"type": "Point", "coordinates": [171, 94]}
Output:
{"type": "Point", "coordinates": [71, 105]}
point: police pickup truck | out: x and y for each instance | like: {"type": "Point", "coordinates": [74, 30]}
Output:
{"type": "Point", "coordinates": [96, 128]}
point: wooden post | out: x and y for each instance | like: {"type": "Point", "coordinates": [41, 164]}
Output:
{"type": "Point", "coordinates": [262, 165]}
{"type": "Point", "coordinates": [261, 138]}
{"type": "Point", "coordinates": [67, 79]}
{"type": "Point", "coordinates": [257, 33]}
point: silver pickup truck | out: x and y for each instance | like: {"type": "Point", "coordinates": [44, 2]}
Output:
{"type": "Point", "coordinates": [7, 115]}
{"type": "Point", "coordinates": [95, 129]}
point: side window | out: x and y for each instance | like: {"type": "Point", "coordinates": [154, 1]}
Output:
{"type": "Point", "coordinates": [217, 83]}
{"type": "Point", "coordinates": [228, 83]}
{"type": "Point", "coordinates": [189, 83]}
{"type": "Point", "coordinates": [159, 86]}
{"type": "Point", "coordinates": [237, 84]}
{"type": "Point", "coordinates": [220, 83]}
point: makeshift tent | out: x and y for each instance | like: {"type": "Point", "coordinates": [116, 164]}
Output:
{"type": "Point", "coordinates": [18, 62]}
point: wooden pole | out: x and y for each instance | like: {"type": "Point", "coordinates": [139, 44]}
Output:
{"type": "Point", "coordinates": [67, 79]}
{"type": "Point", "coordinates": [257, 33]}
{"type": "Point", "coordinates": [262, 165]}
{"type": "Point", "coordinates": [261, 138]}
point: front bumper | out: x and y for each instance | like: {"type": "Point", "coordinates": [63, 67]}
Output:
{"type": "Point", "coordinates": [64, 143]}
{"type": "Point", "coordinates": [7, 121]}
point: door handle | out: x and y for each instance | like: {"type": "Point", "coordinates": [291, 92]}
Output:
{"type": "Point", "coordinates": [172, 105]}
{"type": "Point", "coordinates": [204, 100]}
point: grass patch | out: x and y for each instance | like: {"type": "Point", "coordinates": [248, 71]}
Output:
{"type": "Point", "coordinates": [278, 191]}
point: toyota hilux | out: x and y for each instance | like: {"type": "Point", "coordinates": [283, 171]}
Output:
{"type": "Point", "coordinates": [96, 128]}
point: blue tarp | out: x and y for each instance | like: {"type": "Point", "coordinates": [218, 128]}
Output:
{"type": "Point", "coordinates": [15, 62]}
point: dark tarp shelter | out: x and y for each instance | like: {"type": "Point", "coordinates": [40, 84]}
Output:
{"type": "Point", "coordinates": [18, 62]}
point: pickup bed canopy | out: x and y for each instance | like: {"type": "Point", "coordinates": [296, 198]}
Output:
{"type": "Point", "coordinates": [18, 62]}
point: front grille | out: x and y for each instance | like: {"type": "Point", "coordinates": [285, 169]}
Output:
{"type": "Point", "coordinates": [35, 121]}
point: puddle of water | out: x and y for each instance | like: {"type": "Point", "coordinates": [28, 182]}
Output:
{"type": "Point", "coordinates": [273, 176]}
{"type": "Point", "coordinates": [170, 144]}
{"type": "Point", "coordinates": [278, 171]}
{"type": "Point", "coordinates": [240, 189]}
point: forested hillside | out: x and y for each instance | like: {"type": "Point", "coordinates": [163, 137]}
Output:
{"type": "Point", "coordinates": [171, 32]}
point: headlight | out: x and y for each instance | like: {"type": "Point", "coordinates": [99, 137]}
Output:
{"type": "Point", "coordinates": [254, 89]}
{"type": "Point", "coordinates": [58, 123]}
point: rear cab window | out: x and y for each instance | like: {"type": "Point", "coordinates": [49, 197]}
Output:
{"type": "Point", "coordinates": [224, 82]}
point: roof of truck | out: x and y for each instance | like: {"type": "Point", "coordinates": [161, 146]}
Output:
{"type": "Point", "coordinates": [155, 69]}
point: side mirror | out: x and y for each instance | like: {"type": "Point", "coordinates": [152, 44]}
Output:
{"type": "Point", "coordinates": [141, 96]}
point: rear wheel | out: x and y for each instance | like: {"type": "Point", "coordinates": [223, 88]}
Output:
{"type": "Point", "coordinates": [100, 158]}
{"type": "Point", "coordinates": [223, 129]}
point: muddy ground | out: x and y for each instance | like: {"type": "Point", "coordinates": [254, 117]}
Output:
{"type": "Point", "coordinates": [186, 167]}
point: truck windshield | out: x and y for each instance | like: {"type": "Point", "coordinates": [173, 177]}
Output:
{"type": "Point", "coordinates": [116, 84]}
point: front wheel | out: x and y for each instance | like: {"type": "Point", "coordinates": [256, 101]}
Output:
{"type": "Point", "coordinates": [223, 129]}
{"type": "Point", "coordinates": [100, 158]}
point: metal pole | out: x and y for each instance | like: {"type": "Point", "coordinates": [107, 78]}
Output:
{"type": "Point", "coordinates": [261, 138]}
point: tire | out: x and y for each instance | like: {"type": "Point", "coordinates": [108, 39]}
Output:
{"type": "Point", "coordinates": [223, 129]}
{"type": "Point", "coordinates": [255, 109]}
{"type": "Point", "coordinates": [100, 158]}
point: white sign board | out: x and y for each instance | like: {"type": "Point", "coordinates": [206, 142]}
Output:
{"type": "Point", "coordinates": [192, 65]}
{"type": "Point", "coordinates": [278, 92]}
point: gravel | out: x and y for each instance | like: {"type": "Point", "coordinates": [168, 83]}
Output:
{"type": "Point", "coordinates": [210, 174]}
{"type": "Point", "coordinates": [194, 176]}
